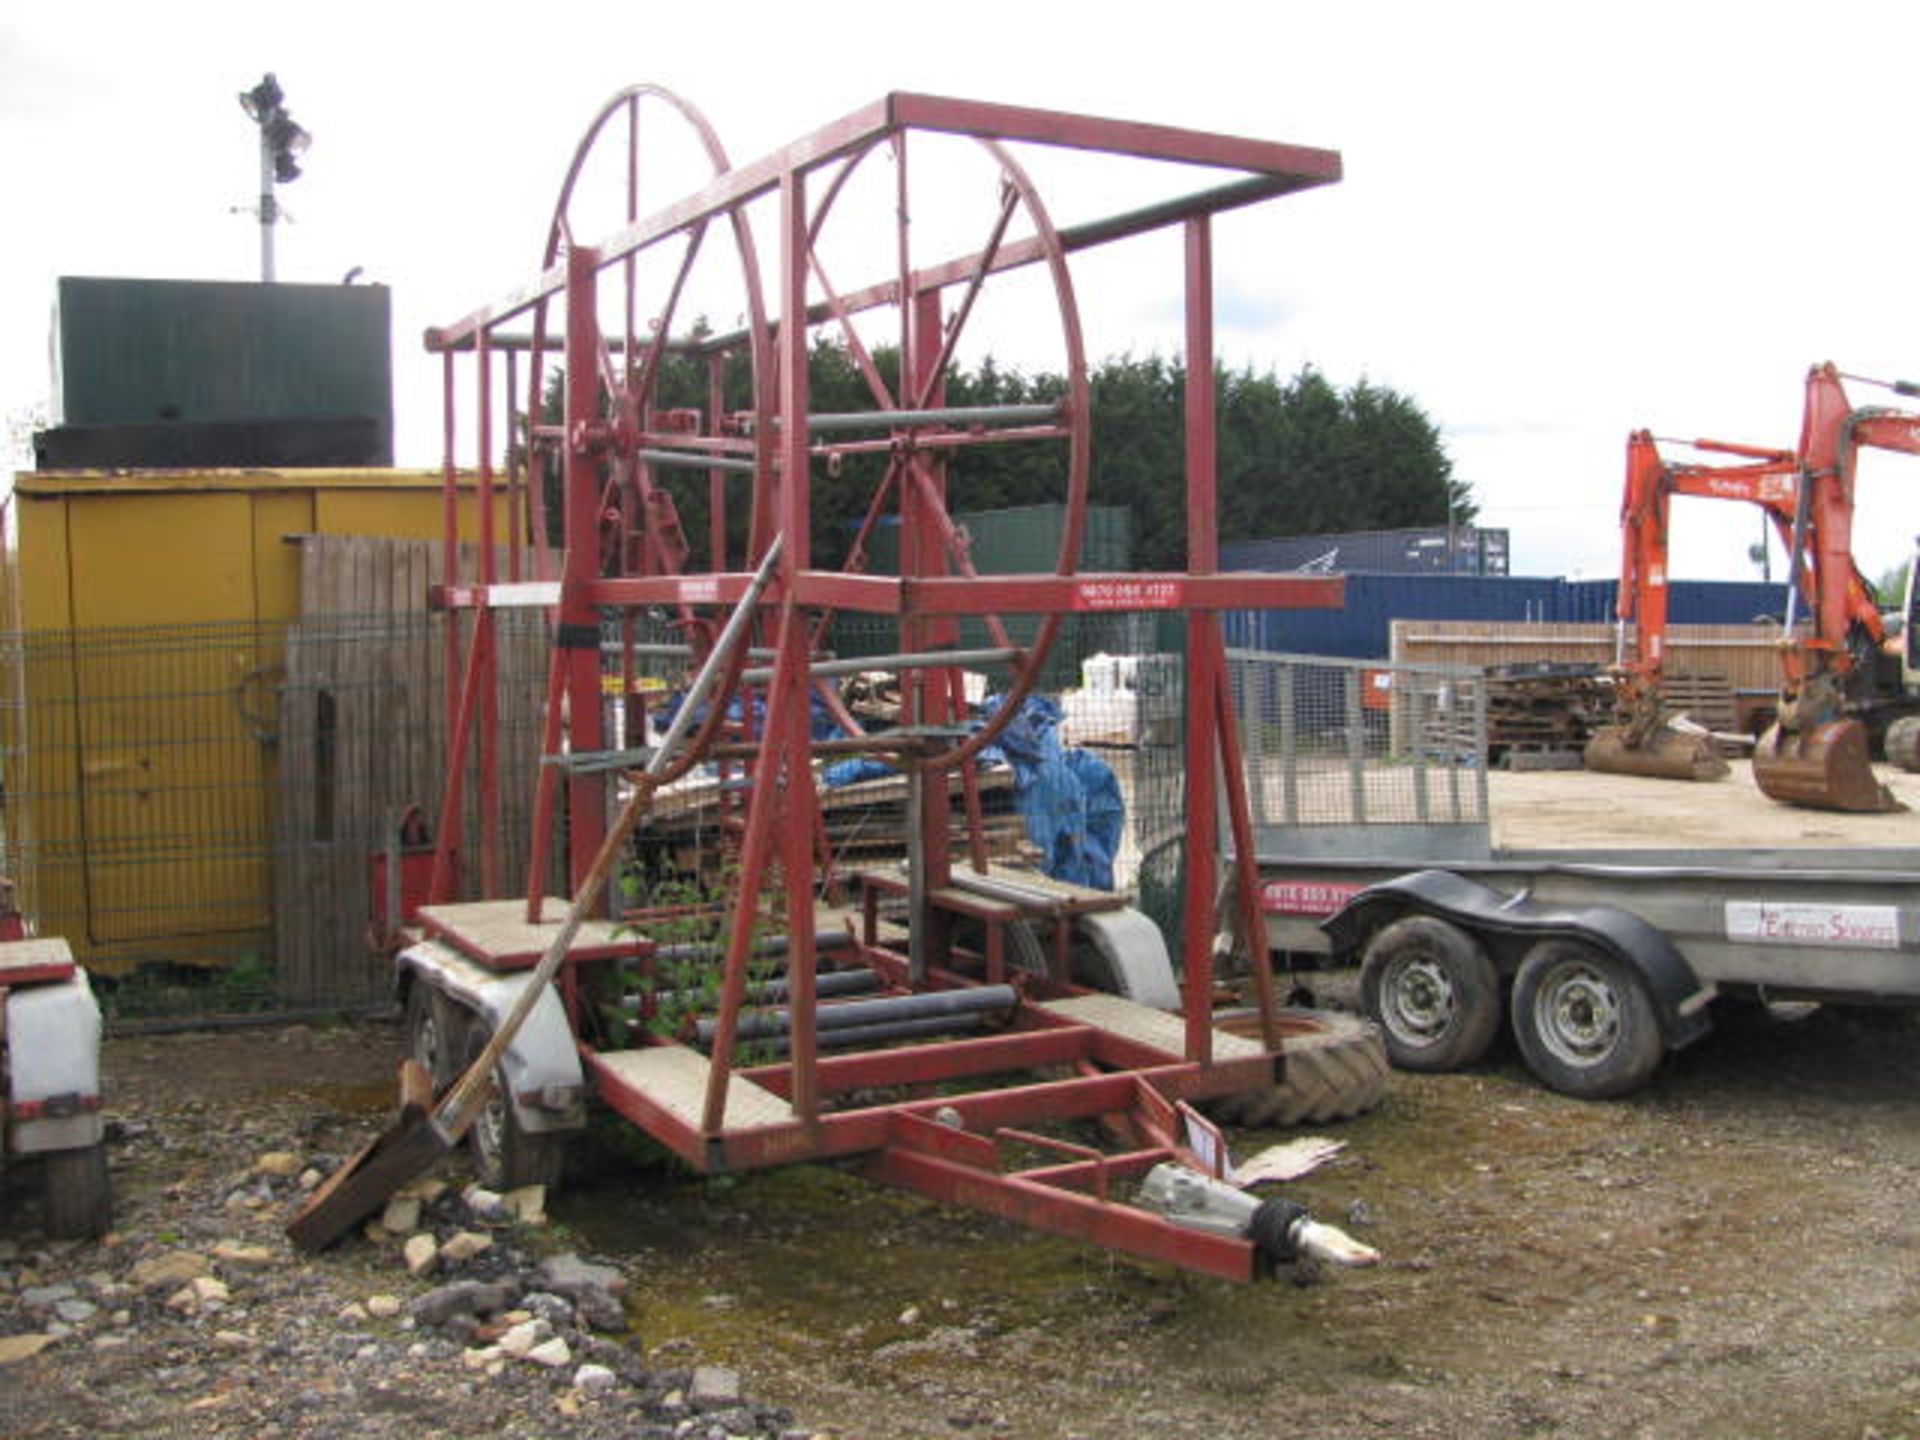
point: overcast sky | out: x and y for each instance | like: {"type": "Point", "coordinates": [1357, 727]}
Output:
{"type": "Point", "coordinates": [1558, 223]}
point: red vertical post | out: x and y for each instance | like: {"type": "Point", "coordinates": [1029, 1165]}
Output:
{"type": "Point", "coordinates": [792, 741]}
{"type": "Point", "coordinates": [485, 648]}
{"type": "Point", "coordinates": [923, 553]}
{"type": "Point", "coordinates": [781, 804]}
{"type": "Point", "coordinates": [578, 631]}
{"type": "Point", "coordinates": [447, 842]}
{"type": "Point", "coordinates": [517, 460]}
{"type": "Point", "coordinates": [716, 478]}
{"type": "Point", "coordinates": [1203, 649]}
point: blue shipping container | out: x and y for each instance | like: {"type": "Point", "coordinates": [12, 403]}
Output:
{"type": "Point", "coordinates": [1360, 631]}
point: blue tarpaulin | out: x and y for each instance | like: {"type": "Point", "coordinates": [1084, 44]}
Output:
{"type": "Point", "coordinates": [1070, 799]}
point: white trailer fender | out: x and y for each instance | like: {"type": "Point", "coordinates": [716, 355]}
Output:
{"type": "Point", "coordinates": [53, 1066]}
{"type": "Point", "coordinates": [542, 1064]}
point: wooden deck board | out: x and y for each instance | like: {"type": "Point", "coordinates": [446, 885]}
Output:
{"type": "Point", "coordinates": [27, 962]}
{"type": "Point", "coordinates": [1144, 1025]}
{"type": "Point", "coordinates": [675, 1078]}
{"type": "Point", "coordinates": [496, 933]}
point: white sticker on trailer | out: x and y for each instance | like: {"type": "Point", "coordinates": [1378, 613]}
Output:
{"type": "Point", "coordinates": [1855, 927]}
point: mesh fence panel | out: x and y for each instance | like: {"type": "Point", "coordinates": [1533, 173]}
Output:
{"type": "Point", "coordinates": [198, 809]}
{"type": "Point", "coordinates": [210, 814]}
{"type": "Point", "coordinates": [1332, 748]}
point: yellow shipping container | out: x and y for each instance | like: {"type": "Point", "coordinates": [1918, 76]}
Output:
{"type": "Point", "coordinates": [145, 845]}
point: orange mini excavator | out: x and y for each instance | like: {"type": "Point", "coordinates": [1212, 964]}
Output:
{"type": "Point", "coordinates": [1836, 679]}
{"type": "Point", "coordinates": [1644, 738]}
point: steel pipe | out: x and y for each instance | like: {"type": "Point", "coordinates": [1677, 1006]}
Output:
{"type": "Point", "coordinates": [666, 650]}
{"type": "Point", "coordinates": [856, 1035]}
{"type": "Point", "coordinates": [922, 660]}
{"type": "Point", "coordinates": [694, 460]}
{"type": "Point", "coordinates": [833, 982]}
{"type": "Point", "coordinates": [958, 415]}
{"type": "Point", "coordinates": [940, 1005]}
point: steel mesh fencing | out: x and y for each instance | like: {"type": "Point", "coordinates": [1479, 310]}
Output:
{"type": "Point", "coordinates": [217, 817]}
{"type": "Point", "coordinates": [200, 810]}
{"type": "Point", "coordinates": [1339, 755]}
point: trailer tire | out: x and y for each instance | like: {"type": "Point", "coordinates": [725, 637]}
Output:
{"type": "Point", "coordinates": [1336, 1069]}
{"type": "Point", "coordinates": [78, 1195]}
{"type": "Point", "coordinates": [430, 1034]}
{"type": "Point", "coordinates": [1435, 995]}
{"type": "Point", "coordinates": [1584, 1021]}
{"type": "Point", "coordinates": [504, 1155]}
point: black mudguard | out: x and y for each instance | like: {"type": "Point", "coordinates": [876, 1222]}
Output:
{"type": "Point", "coordinates": [1679, 998]}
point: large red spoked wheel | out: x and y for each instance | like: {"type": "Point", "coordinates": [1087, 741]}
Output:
{"type": "Point", "coordinates": [958, 274]}
{"type": "Point", "coordinates": [645, 148]}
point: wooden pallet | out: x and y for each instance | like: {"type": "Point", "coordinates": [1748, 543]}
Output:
{"type": "Point", "coordinates": [1703, 696]}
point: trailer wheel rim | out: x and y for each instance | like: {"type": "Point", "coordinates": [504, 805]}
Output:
{"type": "Point", "coordinates": [490, 1129]}
{"type": "Point", "coordinates": [489, 1133]}
{"type": "Point", "coordinates": [1417, 1001]}
{"type": "Point", "coordinates": [425, 1041]}
{"type": "Point", "coordinates": [1577, 1014]}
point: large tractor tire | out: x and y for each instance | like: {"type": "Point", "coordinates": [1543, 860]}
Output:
{"type": "Point", "coordinates": [1336, 1069]}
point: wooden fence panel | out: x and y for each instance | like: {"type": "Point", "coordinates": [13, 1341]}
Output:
{"type": "Point", "coordinates": [1746, 654]}
{"type": "Point", "coordinates": [363, 738]}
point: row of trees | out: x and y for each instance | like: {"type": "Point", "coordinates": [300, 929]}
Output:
{"type": "Point", "coordinates": [1295, 456]}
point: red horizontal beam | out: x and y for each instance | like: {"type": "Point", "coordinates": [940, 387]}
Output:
{"type": "Point", "coordinates": [932, 1064]}
{"type": "Point", "coordinates": [854, 1132]}
{"type": "Point", "coordinates": [994, 594]}
{"type": "Point", "coordinates": [1299, 163]}
{"type": "Point", "coordinates": [723, 589]}
{"type": "Point", "coordinates": [1065, 1212]}
{"type": "Point", "coordinates": [1268, 167]}
{"type": "Point", "coordinates": [863, 594]}
{"type": "Point", "coordinates": [1069, 594]}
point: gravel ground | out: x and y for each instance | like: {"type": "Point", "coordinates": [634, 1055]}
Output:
{"type": "Point", "coordinates": [195, 1316]}
{"type": "Point", "coordinates": [1729, 1253]}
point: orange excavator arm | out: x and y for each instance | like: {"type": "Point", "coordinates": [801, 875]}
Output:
{"type": "Point", "coordinates": [1819, 753]}
{"type": "Point", "coordinates": [1769, 481]}
{"type": "Point", "coordinates": [1832, 433]}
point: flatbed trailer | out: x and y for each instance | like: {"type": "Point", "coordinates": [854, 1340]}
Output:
{"type": "Point", "coordinates": [1600, 916]}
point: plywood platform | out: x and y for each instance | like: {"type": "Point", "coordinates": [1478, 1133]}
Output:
{"type": "Point", "coordinates": [1144, 1025]}
{"type": "Point", "coordinates": [496, 933]}
{"type": "Point", "coordinates": [1045, 890]}
{"type": "Point", "coordinates": [34, 962]}
{"type": "Point", "coordinates": [674, 1078]}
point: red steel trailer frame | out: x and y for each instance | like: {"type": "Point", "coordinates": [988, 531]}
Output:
{"type": "Point", "coordinates": [625, 548]}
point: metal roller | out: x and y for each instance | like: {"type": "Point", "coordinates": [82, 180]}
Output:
{"type": "Point", "coordinates": [887, 1009]}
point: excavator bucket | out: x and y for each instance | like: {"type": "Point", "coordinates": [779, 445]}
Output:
{"type": "Point", "coordinates": [1825, 767]}
{"type": "Point", "coordinates": [1666, 754]}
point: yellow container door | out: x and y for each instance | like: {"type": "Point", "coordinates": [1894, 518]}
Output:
{"type": "Point", "coordinates": [174, 722]}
